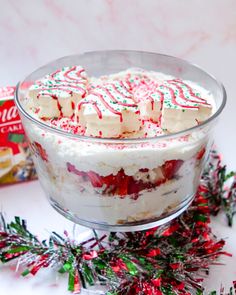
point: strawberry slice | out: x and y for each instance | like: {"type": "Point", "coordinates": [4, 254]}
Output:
{"type": "Point", "coordinates": [122, 183]}
{"type": "Point", "coordinates": [170, 168]}
{"type": "Point", "coordinates": [160, 181]}
{"type": "Point", "coordinates": [133, 187]}
{"type": "Point", "coordinates": [108, 180]}
{"type": "Point", "coordinates": [124, 187]}
{"type": "Point", "coordinates": [201, 153]}
{"type": "Point", "coordinates": [95, 179]}
{"type": "Point", "coordinates": [137, 186]}
{"type": "Point", "coordinates": [71, 168]}
{"type": "Point", "coordinates": [41, 151]}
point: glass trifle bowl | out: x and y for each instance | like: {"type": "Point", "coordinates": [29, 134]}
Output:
{"type": "Point", "coordinates": [120, 184]}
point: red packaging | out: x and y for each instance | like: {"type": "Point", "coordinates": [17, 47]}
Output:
{"type": "Point", "coordinates": [16, 164]}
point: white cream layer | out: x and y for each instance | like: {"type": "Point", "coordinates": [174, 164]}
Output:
{"type": "Point", "coordinates": [106, 159]}
{"type": "Point", "coordinates": [81, 199]}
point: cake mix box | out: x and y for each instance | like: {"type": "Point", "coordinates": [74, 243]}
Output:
{"type": "Point", "coordinates": [16, 164]}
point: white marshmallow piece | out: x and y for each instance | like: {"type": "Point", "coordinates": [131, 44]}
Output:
{"type": "Point", "coordinates": [149, 102]}
{"type": "Point", "coordinates": [97, 119]}
{"type": "Point", "coordinates": [54, 104]}
{"type": "Point", "coordinates": [42, 84]}
{"type": "Point", "coordinates": [115, 105]}
{"type": "Point", "coordinates": [194, 96]}
{"type": "Point", "coordinates": [68, 85]}
{"type": "Point", "coordinates": [71, 79]}
{"type": "Point", "coordinates": [109, 111]}
{"type": "Point", "coordinates": [178, 113]}
{"type": "Point", "coordinates": [177, 119]}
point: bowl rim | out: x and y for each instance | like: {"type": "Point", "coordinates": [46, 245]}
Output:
{"type": "Point", "coordinates": [122, 140]}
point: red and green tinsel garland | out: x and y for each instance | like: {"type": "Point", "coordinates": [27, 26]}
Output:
{"type": "Point", "coordinates": [171, 259]}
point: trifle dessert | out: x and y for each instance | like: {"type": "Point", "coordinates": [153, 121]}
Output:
{"type": "Point", "coordinates": [120, 149]}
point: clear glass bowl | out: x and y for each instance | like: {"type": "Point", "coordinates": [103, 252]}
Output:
{"type": "Point", "coordinates": [114, 184]}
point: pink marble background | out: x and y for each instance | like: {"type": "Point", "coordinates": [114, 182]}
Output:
{"type": "Point", "coordinates": [35, 32]}
{"type": "Point", "coordinates": [202, 31]}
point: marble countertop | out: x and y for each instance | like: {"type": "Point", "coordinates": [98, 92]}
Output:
{"type": "Point", "coordinates": [34, 32]}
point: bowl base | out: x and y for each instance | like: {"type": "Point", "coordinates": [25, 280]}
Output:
{"type": "Point", "coordinates": [128, 227]}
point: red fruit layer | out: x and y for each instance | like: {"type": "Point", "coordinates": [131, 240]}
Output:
{"type": "Point", "coordinates": [122, 184]}
{"type": "Point", "coordinates": [39, 150]}
{"type": "Point", "coordinates": [201, 153]}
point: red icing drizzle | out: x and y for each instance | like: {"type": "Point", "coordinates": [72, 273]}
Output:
{"type": "Point", "coordinates": [128, 83]}
{"type": "Point", "coordinates": [55, 73]}
{"type": "Point", "coordinates": [108, 106]}
{"type": "Point", "coordinates": [64, 86]}
{"type": "Point", "coordinates": [45, 88]}
{"type": "Point", "coordinates": [152, 90]}
{"type": "Point", "coordinates": [114, 99]}
{"type": "Point", "coordinates": [94, 104]}
{"type": "Point", "coordinates": [148, 97]}
{"type": "Point", "coordinates": [161, 95]}
{"type": "Point", "coordinates": [152, 102]}
{"type": "Point", "coordinates": [59, 108]}
{"type": "Point", "coordinates": [123, 85]}
{"type": "Point", "coordinates": [73, 80]}
{"type": "Point", "coordinates": [78, 72]}
{"type": "Point", "coordinates": [181, 92]}
{"type": "Point", "coordinates": [190, 90]}
{"type": "Point", "coordinates": [174, 101]}
{"type": "Point", "coordinates": [55, 98]}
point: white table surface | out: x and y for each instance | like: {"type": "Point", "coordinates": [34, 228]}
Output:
{"type": "Point", "coordinates": [29, 202]}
